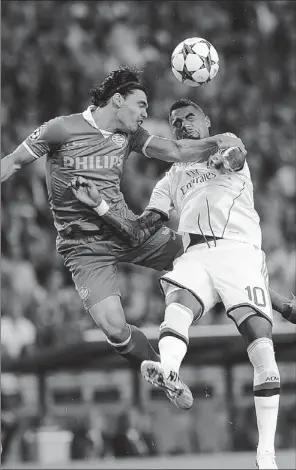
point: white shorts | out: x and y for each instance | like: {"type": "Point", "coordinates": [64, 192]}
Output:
{"type": "Point", "coordinates": [232, 272]}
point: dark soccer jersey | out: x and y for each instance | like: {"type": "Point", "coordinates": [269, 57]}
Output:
{"type": "Point", "coordinates": [75, 146]}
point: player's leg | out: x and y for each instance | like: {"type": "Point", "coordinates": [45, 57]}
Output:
{"type": "Point", "coordinates": [127, 340]}
{"type": "Point", "coordinates": [182, 307]}
{"type": "Point", "coordinates": [245, 294]}
{"type": "Point", "coordinates": [257, 333]}
{"type": "Point", "coordinates": [95, 277]}
{"type": "Point", "coordinates": [188, 296]}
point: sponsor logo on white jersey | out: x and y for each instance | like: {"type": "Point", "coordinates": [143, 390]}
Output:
{"type": "Point", "coordinates": [196, 178]}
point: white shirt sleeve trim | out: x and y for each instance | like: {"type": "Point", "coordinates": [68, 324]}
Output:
{"type": "Point", "coordinates": [30, 151]}
{"type": "Point", "coordinates": [146, 144]}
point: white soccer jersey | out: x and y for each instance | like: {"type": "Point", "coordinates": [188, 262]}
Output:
{"type": "Point", "coordinates": [208, 202]}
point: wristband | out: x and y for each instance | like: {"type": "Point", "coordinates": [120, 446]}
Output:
{"type": "Point", "coordinates": [102, 208]}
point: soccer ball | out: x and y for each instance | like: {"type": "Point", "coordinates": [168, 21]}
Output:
{"type": "Point", "coordinates": [195, 61]}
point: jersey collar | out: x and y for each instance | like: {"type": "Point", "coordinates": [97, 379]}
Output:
{"type": "Point", "coordinates": [87, 115]}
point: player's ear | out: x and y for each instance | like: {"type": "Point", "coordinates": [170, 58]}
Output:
{"type": "Point", "coordinates": [117, 100]}
{"type": "Point", "coordinates": [208, 121]}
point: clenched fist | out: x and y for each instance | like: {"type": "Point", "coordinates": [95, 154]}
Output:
{"type": "Point", "coordinates": [86, 191]}
{"type": "Point", "coordinates": [289, 310]}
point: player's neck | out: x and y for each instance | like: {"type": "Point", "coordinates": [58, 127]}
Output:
{"type": "Point", "coordinates": [105, 119]}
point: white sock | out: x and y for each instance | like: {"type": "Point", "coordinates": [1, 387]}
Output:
{"type": "Point", "coordinates": [172, 352]}
{"type": "Point", "coordinates": [174, 332]}
{"type": "Point", "coordinates": [266, 377]}
{"type": "Point", "coordinates": [267, 413]}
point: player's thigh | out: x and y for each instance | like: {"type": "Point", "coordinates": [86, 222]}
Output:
{"type": "Point", "coordinates": [239, 275]}
{"type": "Point", "coordinates": [109, 315]}
{"type": "Point", "coordinates": [159, 251]}
{"type": "Point", "coordinates": [93, 271]}
{"type": "Point", "coordinates": [191, 276]}
{"type": "Point", "coordinates": [185, 298]}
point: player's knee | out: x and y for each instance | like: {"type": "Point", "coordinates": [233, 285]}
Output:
{"type": "Point", "coordinates": [187, 299]}
{"type": "Point", "coordinates": [266, 372]}
{"type": "Point", "coordinates": [253, 326]}
{"type": "Point", "coordinates": [109, 316]}
{"type": "Point", "coordinates": [177, 321]}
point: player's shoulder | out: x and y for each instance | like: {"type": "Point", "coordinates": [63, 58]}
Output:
{"type": "Point", "coordinates": [174, 168]}
{"type": "Point", "coordinates": [70, 119]}
{"type": "Point", "coordinates": [68, 124]}
{"type": "Point", "coordinates": [57, 122]}
{"type": "Point", "coordinates": [179, 167]}
{"type": "Point", "coordinates": [138, 134]}
{"type": "Point", "coordinates": [170, 174]}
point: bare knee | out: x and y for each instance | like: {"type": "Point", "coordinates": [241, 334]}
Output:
{"type": "Point", "coordinates": [187, 299]}
{"type": "Point", "coordinates": [109, 316]}
{"type": "Point", "coordinates": [254, 326]}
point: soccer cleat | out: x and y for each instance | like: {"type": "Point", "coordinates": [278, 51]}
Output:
{"type": "Point", "coordinates": [266, 460]}
{"type": "Point", "coordinates": [177, 392]}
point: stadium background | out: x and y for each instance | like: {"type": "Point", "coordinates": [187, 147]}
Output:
{"type": "Point", "coordinates": [53, 52]}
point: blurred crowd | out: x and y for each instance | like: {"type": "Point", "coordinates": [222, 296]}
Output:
{"type": "Point", "coordinates": [59, 50]}
{"type": "Point", "coordinates": [54, 52]}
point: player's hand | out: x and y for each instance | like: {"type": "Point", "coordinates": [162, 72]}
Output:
{"type": "Point", "coordinates": [86, 191]}
{"type": "Point", "coordinates": [228, 140]}
{"type": "Point", "coordinates": [219, 162]}
{"type": "Point", "coordinates": [289, 310]}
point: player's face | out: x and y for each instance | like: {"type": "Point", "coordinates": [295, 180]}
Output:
{"type": "Point", "coordinates": [133, 111]}
{"type": "Point", "coordinates": [189, 123]}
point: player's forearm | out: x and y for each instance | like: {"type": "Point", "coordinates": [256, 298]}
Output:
{"type": "Point", "coordinates": [14, 161]}
{"type": "Point", "coordinates": [8, 167]}
{"type": "Point", "coordinates": [278, 302]}
{"type": "Point", "coordinates": [126, 229]}
{"type": "Point", "coordinates": [134, 232]}
{"type": "Point", "coordinates": [286, 307]}
{"type": "Point", "coordinates": [196, 150]}
{"type": "Point", "coordinates": [184, 150]}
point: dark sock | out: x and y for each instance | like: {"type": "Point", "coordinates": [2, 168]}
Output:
{"type": "Point", "coordinates": [138, 349]}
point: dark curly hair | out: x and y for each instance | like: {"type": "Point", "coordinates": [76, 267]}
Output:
{"type": "Point", "coordinates": [123, 81]}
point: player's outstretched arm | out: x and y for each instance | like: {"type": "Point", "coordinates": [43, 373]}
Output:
{"type": "Point", "coordinates": [286, 307]}
{"type": "Point", "coordinates": [186, 150]}
{"type": "Point", "coordinates": [14, 161]}
{"type": "Point", "coordinates": [134, 232]}
{"type": "Point", "coordinates": [41, 142]}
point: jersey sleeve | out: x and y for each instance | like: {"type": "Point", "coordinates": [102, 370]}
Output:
{"type": "Point", "coordinates": [160, 199]}
{"type": "Point", "coordinates": [140, 140]}
{"type": "Point", "coordinates": [46, 138]}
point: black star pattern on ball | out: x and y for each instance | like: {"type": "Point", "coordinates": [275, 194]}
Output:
{"type": "Point", "coordinates": [206, 61]}
{"type": "Point", "coordinates": [186, 75]}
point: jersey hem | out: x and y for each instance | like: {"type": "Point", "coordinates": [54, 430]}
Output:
{"type": "Point", "coordinates": [255, 309]}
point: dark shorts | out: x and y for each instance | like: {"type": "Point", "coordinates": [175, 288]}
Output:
{"type": "Point", "coordinates": [93, 261]}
